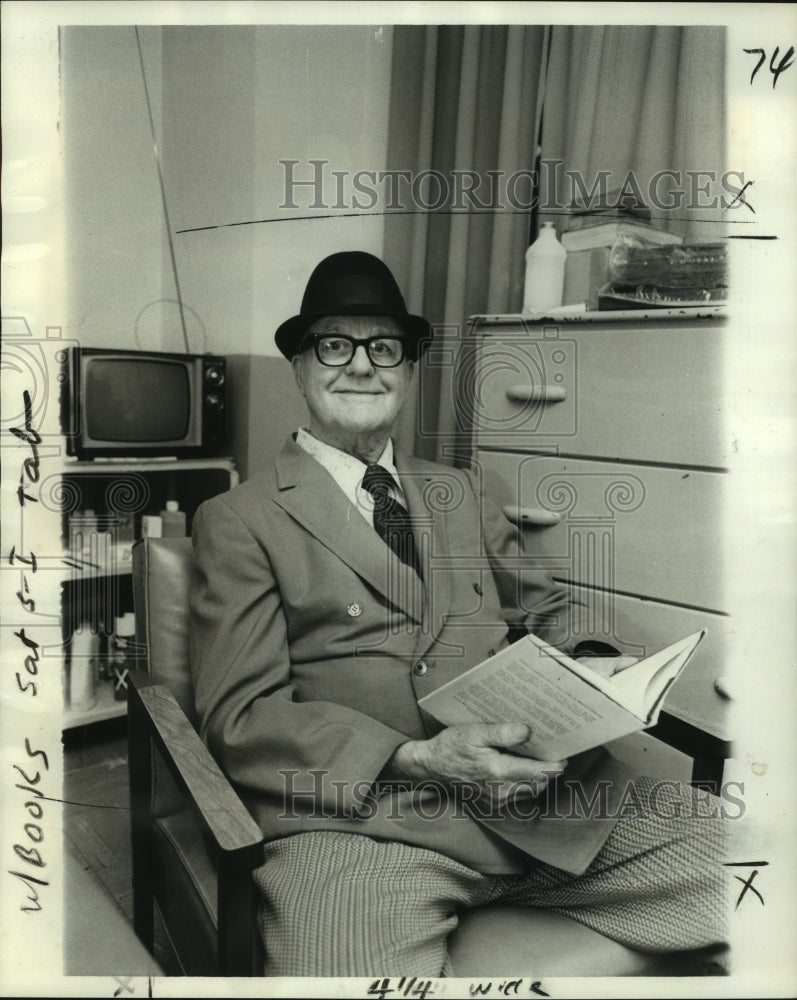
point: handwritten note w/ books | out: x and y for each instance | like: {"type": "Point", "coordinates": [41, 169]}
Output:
{"type": "Point", "coordinates": [568, 706]}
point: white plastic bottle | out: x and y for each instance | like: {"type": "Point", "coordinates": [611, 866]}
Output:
{"type": "Point", "coordinates": [124, 640]}
{"type": "Point", "coordinates": [151, 526]}
{"type": "Point", "coordinates": [84, 650]}
{"type": "Point", "coordinates": [545, 272]}
{"type": "Point", "coordinates": [172, 520]}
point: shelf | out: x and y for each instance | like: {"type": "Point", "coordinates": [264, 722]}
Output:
{"type": "Point", "coordinates": [686, 313]}
{"type": "Point", "coordinates": [101, 465]}
{"type": "Point", "coordinates": [96, 584]}
{"type": "Point", "coordinates": [106, 707]}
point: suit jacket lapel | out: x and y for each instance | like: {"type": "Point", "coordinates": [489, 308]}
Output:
{"type": "Point", "coordinates": [302, 481]}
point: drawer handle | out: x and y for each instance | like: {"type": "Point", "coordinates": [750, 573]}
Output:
{"type": "Point", "coordinates": [724, 687]}
{"type": "Point", "coordinates": [532, 515]}
{"type": "Point", "coordinates": [536, 393]}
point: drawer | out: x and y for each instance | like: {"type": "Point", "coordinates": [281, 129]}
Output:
{"type": "Point", "coordinates": [694, 697]}
{"type": "Point", "coordinates": [644, 530]}
{"type": "Point", "coordinates": [623, 391]}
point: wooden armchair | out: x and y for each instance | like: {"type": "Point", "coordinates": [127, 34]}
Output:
{"type": "Point", "coordinates": [194, 845]}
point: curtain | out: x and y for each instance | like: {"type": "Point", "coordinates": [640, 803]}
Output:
{"type": "Point", "coordinates": [617, 99]}
{"type": "Point", "coordinates": [642, 99]}
{"type": "Point", "coordinates": [462, 98]}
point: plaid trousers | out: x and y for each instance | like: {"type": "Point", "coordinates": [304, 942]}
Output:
{"type": "Point", "coordinates": [342, 904]}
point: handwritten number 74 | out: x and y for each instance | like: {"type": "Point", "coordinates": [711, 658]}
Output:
{"type": "Point", "coordinates": [784, 64]}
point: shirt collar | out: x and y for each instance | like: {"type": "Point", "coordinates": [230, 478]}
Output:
{"type": "Point", "coordinates": [346, 470]}
{"type": "Point", "coordinates": [327, 453]}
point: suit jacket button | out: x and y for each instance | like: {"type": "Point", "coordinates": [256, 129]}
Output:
{"type": "Point", "coordinates": [420, 669]}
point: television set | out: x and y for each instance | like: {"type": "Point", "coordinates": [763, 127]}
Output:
{"type": "Point", "coordinates": [120, 403]}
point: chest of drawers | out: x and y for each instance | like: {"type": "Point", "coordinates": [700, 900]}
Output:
{"type": "Point", "coordinates": [604, 439]}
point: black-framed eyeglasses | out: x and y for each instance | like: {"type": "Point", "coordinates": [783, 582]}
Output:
{"type": "Point", "coordinates": [337, 349]}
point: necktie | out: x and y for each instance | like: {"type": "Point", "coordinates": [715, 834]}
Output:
{"type": "Point", "coordinates": [391, 519]}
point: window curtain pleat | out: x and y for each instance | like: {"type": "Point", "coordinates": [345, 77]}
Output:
{"type": "Point", "coordinates": [462, 98]}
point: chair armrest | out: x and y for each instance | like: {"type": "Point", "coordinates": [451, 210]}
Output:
{"type": "Point", "coordinates": [708, 752]}
{"type": "Point", "coordinates": [190, 763]}
{"type": "Point", "coordinates": [157, 722]}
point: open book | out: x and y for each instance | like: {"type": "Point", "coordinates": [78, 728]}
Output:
{"type": "Point", "coordinates": [568, 706]}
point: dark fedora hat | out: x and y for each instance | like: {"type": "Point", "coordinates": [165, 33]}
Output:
{"type": "Point", "coordinates": [352, 283]}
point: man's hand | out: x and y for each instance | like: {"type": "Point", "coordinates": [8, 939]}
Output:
{"type": "Point", "coordinates": [608, 666]}
{"type": "Point", "coordinates": [473, 755]}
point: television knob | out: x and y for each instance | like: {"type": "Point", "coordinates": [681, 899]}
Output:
{"type": "Point", "coordinates": [214, 375]}
{"type": "Point", "coordinates": [214, 401]}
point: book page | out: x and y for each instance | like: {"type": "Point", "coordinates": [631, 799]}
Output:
{"type": "Point", "coordinates": [642, 687]}
{"type": "Point", "coordinates": [566, 715]}
{"type": "Point", "coordinates": [569, 706]}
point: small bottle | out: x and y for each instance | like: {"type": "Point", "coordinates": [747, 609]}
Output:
{"type": "Point", "coordinates": [151, 526]}
{"type": "Point", "coordinates": [545, 272]}
{"type": "Point", "coordinates": [88, 522]}
{"type": "Point", "coordinates": [172, 521]}
{"type": "Point", "coordinates": [83, 652]}
{"type": "Point", "coordinates": [124, 641]}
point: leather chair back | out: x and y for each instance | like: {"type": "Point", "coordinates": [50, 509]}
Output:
{"type": "Point", "coordinates": [162, 570]}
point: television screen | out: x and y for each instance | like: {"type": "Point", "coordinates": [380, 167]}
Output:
{"type": "Point", "coordinates": [116, 394]}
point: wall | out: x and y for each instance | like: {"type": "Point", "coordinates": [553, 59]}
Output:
{"type": "Point", "coordinates": [266, 408]}
{"type": "Point", "coordinates": [236, 102]}
{"type": "Point", "coordinates": [115, 235]}
{"type": "Point", "coordinates": [229, 103]}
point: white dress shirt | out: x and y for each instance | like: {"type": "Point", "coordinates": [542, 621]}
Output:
{"type": "Point", "coordinates": [348, 471]}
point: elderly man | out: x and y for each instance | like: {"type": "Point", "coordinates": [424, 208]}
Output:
{"type": "Point", "coordinates": [331, 593]}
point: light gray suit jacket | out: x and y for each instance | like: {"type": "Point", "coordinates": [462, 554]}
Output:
{"type": "Point", "coordinates": [312, 642]}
